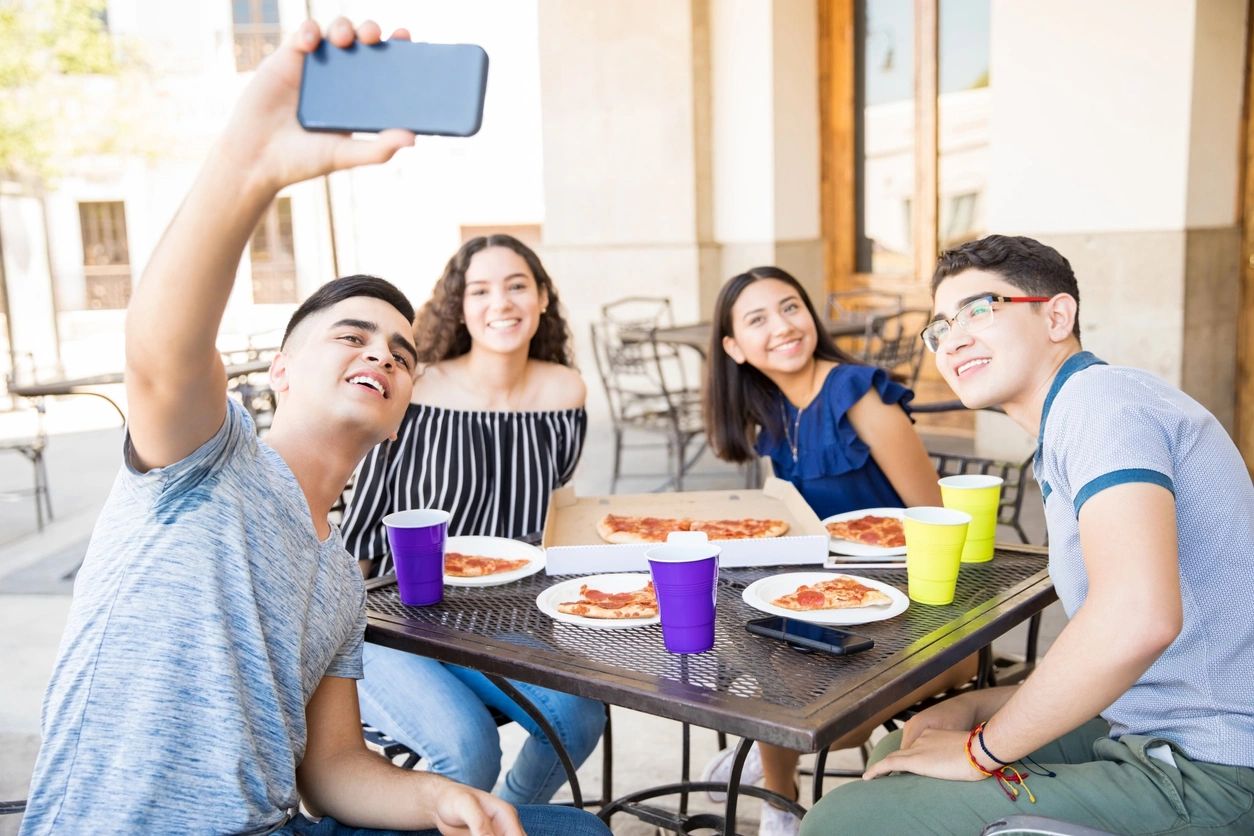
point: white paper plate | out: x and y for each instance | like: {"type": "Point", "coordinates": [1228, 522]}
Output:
{"type": "Point", "coordinates": [495, 547]}
{"type": "Point", "coordinates": [862, 550]}
{"type": "Point", "coordinates": [558, 593]}
{"type": "Point", "coordinates": [759, 595]}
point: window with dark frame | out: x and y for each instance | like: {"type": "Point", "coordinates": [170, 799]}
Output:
{"type": "Point", "coordinates": [272, 253]}
{"type": "Point", "coordinates": [106, 256]}
{"type": "Point", "coordinates": [257, 32]}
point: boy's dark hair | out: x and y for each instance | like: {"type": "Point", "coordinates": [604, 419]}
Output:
{"type": "Point", "coordinates": [1035, 268]}
{"type": "Point", "coordinates": [337, 290]}
{"type": "Point", "coordinates": [441, 331]}
{"type": "Point", "coordinates": [738, 399]}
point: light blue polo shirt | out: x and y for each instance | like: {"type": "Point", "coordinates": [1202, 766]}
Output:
{"type": "Point", "coordinates": [204, 616]}
{"type": "Point", "coordinates": [1103, 426]}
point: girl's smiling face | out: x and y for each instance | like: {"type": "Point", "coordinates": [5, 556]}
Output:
{"type": "Point", "coordinates": [502, 303]}
{"type": "Point", "coordinates": [771, 329]}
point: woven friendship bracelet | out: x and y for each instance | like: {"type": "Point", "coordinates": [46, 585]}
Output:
{"type": "Point", "coordinates": [1005, 776]}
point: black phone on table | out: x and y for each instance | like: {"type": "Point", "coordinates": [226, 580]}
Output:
{"type": "Point", "coordinates": [425, 88]}
{"type": "Point", "coordinates": [802, 635]}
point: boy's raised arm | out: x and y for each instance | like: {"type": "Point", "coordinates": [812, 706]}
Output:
{"type": "Point", "coordinates": [175, 381]}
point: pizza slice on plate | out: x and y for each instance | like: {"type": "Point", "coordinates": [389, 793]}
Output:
{"type": "Point", "coordinates": [840, 592]}
{"type": "Point", "coordinates": [457, 565]}
{"type": "Point", "coordinates": [593, 603]}
{"type": "Point", "coordinates": [740, 529]}
{"type": "Point", "coordinates": [887, 532]}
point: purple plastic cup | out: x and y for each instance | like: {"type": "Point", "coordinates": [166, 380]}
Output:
{"type": "Point", "coordinates": [417, 540]}
{"type": "Point", "coordinates": [685, 577]}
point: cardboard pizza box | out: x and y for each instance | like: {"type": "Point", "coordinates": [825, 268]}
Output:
{"type": "Point", "coordinates": [573, 547]}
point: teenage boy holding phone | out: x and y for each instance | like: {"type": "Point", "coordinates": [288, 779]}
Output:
{"type": "Point", "coordinates": [1150, 513]}
{"type": "Point", "coordinates": [206, 679]}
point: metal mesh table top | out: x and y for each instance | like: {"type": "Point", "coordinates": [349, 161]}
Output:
{"type": "Point", "coordinates": [786, 696]}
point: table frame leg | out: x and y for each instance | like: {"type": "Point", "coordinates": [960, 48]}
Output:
{"type": "Point", "coordinates": [682, 822]}
{"type": "Point", "coordinates": [534, 713]}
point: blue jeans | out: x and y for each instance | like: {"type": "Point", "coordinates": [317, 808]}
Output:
{"type": "Point", "coordinates": [536, 821]}
{"type": "Point", "coordinates": [441, 712]}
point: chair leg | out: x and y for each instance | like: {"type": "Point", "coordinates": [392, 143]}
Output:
{"type": "Point", "coordinates": [41, 487]}
{"type": "Point", "coordinates": [680, 448]}
{"type": "Point", "coordinates": [618, 459]}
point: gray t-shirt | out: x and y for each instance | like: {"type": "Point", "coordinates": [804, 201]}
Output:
{"type": "Point", "coordinates": [204, 616]}
{"type": "Point", "coordinates": [1103, 426]}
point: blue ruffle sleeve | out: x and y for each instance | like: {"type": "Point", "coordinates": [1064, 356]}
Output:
{"type": "Point", "coordinates": [828, 445]}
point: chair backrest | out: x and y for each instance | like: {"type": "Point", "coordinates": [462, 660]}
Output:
{"type": "Point", "coordinates": [1014, 474]}
{"type": "Point", "coordinates": [892, 341]}
{"type": "Point", "coordinates": [642, 312]}
{"type": "Point", "coordinates": [22, 424]}
{"type": "Point", "coordinates": [642, 378]}
{"type": "Point", "coordinates": [844, 302]}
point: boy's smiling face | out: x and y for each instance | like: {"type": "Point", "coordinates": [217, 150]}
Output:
{"type": "Point", "coordinates": [1002, 362]}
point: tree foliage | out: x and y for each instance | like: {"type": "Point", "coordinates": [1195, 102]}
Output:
{"type": "Point", "coordinates": [42, 43]}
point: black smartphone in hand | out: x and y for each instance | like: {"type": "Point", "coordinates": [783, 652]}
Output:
{"type": "Point", "coordinates": [425, 88]}
{"type": "Point", "coordinates": [802, 635]}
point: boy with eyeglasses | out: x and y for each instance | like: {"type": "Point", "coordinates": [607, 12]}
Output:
{"type": "Point", "coordinates": [1150, 513]}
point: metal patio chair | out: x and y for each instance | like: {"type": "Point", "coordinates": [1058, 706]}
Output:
{"type": "Point", "coordinates": [844, 302]}
{"type": "Point", "coordinates": [1039, 825]}
{"type": "Point", "coordinates": [646, 385]}
{"type": "Point", "coordinates": [22, 431]}
{"type": "Point", "coordinates": [892, 341]}
{"type": "Point", "coordinates": [643, 312]}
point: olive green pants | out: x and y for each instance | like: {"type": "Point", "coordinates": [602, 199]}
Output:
{"type": "Point", "coordinates": [1109, 784]}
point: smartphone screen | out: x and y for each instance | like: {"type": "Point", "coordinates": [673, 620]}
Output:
{"type": "Point", "coordinates": [811, 636]}
{"type": "Point", "coordinates": [426, 88]}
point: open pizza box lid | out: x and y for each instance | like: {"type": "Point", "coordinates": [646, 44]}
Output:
{"type": "Point", "coordinates": [573, 547]}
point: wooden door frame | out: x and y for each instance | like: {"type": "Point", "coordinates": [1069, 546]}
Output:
{"type": "Point", "coordinates": [838, 121]}
{"type": "Point", "coordinates": [1244, 423]}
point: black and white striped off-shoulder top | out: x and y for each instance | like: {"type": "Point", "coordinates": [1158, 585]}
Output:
{"type": "Point", "coordinates": [493, 471]}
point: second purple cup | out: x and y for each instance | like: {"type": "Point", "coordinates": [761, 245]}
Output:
{"type": "Point", "coordinates": [417, 539]}
{"type": "Point", "coordinates": [685, 578]}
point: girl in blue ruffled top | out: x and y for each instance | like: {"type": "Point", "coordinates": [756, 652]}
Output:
{"type": "Point", "coordinates": [839, 430]}
{"type": "Point", "coordinates": [778, 386]}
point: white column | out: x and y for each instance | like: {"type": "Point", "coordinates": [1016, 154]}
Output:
{"type": "Point", "coordinates": [1115, 131]}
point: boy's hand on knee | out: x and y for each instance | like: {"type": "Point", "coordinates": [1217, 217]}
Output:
{"type": "Point", "coordinates": [936, 753]}
{"type": "Point", "coordinates": [264, 136]}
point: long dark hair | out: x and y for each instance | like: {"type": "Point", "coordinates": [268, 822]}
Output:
{"type": "Point", "coordinates": [440, 332]}
{"type": "Point", "coordinates": [738, 398]}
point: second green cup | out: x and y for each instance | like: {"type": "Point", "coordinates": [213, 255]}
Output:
{"type": "Point", "coordinates": [980, 496]}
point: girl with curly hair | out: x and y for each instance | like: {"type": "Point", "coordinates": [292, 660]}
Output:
{"type": "Point", "coordinates": [496, 423]}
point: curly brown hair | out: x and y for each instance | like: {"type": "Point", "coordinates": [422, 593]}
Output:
{"type": "Point", "coordinates": [440, 330]}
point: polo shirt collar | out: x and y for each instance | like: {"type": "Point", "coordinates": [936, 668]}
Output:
{"type": "Point", "coordinates": [1075, 363]}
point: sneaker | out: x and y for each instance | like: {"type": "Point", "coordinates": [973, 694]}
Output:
{"type": "Point", "coordinates": [777, 822]}
{"type": "Point", "coordinates": [720, 767]}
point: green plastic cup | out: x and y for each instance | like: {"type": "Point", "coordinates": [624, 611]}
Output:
{"type": "Point", "coordinates": [934, 541]}
{"type": "Point", "coordinates": [979, 496]}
